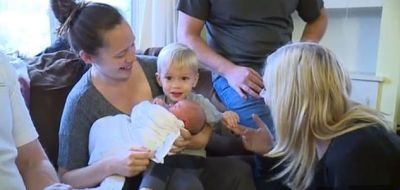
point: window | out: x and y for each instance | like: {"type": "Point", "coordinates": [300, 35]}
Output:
{"type": "Point", "coordinates": [27, 27]}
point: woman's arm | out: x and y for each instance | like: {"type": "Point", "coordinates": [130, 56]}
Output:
{"type": "Point", "coordinates": [88, 176]}
{"type": "Point", "coordinates": [186, 140]}
{"type": "Point", "coordinates": [128, 164]}
{"type": "Point", "coordinates": [200, 140]}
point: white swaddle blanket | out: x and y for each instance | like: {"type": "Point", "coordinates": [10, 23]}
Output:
{"type": "Point", "coordinates": [150, 125]}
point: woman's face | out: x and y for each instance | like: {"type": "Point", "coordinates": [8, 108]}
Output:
{"type": "Point", "coordinates": [115, 60]}
{"type": "Point", "coordinates": [266, 91]}
{"type": "Point", "coordinates": [264, 95]}
{"type": "Point", "coordinates": [268, 77]}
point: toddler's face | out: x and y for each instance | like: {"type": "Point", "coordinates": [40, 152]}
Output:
{"type": "Point", "coordinates": [177, 82]}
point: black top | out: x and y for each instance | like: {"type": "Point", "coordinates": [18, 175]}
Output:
{"type": "Point", "coordinates": [246, 31]}
{"type": "Point", "coordinates": [365, 157]}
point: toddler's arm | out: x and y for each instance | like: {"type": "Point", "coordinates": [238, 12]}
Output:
{"type": "Point", "coordinates": [230, 119]}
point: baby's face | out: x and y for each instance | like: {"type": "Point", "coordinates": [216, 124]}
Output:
{"type": "Point", "coordinates": [190, 113]}
{"type": "Point", "coordinates": [177, 82]}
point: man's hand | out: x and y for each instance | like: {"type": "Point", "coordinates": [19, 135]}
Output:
{"type": "Point", "coordinates": [245, 81]}
{"type": "Point", "coordinates": [258, 140]}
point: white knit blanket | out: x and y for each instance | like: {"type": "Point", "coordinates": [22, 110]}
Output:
{"type": "Point", "coordinates": [150, 125]}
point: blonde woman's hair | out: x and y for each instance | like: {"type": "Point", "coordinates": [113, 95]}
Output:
{"type": "Point", "coordinates": [308, 93]}
{"type": "Point", "coordinates": [179, 55]}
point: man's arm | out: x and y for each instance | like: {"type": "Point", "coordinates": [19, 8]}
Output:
{"type": "Point", "coordinates": [314, 30]}
{"type": "Point", "coordinates": [35, 167]}
{"type": "Point", "coordinates": [243, 80]}
{"type": "Point", "coordinates": [189, 33]}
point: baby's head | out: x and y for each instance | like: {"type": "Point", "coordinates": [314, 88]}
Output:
{"type": "Point", "coordinates": [191, 113]}
{"type": "Point", "coordinates": [177, 71]}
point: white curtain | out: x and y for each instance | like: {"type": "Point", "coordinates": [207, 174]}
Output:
{"type": "Point", "coordinates": [24, 26]}
{"type": "Point", "coordinates": [154, 22]}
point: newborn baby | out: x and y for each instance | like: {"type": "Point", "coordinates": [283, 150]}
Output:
{"type": "Point", "coordinates": [191, 113]}
{"type": "Point", "coordinates": [150, 125]}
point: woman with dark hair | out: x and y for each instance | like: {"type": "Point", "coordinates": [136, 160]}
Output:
{"type": "Point", "coordinates": [115, 83]}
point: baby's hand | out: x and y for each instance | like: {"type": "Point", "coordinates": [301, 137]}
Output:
{"type": "Point", "coordinates": [159, 101]}
{"type": "Point", "coordinates": [230, 119]}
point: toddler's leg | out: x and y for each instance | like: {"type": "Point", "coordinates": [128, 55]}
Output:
{"type": "Point", "coordinates": [183, 180]}
{"type": "Point", "coordinates": [227, 173]}
{"type": "Point", "coordinates": [156, 177]}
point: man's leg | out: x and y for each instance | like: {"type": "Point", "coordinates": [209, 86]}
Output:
{"type": "Point", "coordinates": [243, 107]}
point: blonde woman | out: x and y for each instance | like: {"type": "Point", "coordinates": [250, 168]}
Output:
{"type": "Point", "coordinates": [322, 138]}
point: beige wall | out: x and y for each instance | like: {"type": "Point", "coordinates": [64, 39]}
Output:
{"type": "Point", "coordinates": [367, 40]}
{"type": "Point", "coordinates": [389, 61]}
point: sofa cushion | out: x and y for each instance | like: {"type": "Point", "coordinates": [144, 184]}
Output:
{"type": "Point", "coordinates": [52, 77]}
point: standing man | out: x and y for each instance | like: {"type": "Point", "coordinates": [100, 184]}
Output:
{"type": "Point", "coordinates": [240, 36]}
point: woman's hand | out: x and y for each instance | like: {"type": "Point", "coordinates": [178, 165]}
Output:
{"type": "Point", "coordinates": [200, 140]}
{"type": "Point", "coordinates": [132, 162]}
{"type": "Point", "coordinates": [186, 140]}
{"type": "Point", "coordinates": [258, 140]}
{"type": "Point", "coordinates": [181, 142]}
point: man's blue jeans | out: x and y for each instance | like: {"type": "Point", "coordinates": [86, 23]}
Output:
{"type": "Point", "coordinates": [244, 107]}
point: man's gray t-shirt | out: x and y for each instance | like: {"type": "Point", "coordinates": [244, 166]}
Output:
{"type": "Point", "coordinates": [83, 107]}
{"type": "Point", "coordinates": [247, 31]}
